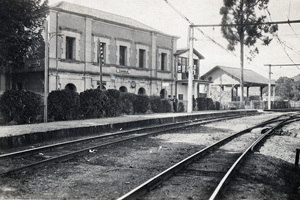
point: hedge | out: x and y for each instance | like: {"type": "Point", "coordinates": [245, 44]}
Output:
{"type": "Point", "coordinates": [202, 103]}
{"type": "Point", "coordinates": [21, 106]}
{"type": "Point", "coordinates": [63, 105]}
{"type": "Point", "coordinates": [92, 103]}
{"type": "Point", "coordinates": [141, 104]}
{"type": "Point", "coordinates": [180, 107]}
{"type": "Point", "coordinates": [156, 104]}
{"type": "Point", "coordinates": [167, 105]}
{"type": "Point", "coordinates": [127, 100]}
{"type": "Point", "coordinates": [113, 106]}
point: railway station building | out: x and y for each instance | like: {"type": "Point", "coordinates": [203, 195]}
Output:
{"type": "Point", "coordinates": [135, 57]}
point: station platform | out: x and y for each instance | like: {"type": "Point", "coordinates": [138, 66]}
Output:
{"type": "Point", "coordinates": [20, 135]}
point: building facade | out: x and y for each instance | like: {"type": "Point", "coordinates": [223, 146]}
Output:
{"type": "Point", "coordinates": [199, 86]}
{"type": "Point", "coordinates": [136, 58]}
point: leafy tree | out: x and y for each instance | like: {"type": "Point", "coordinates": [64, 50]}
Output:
{"type": "Point", "coordinates": [288, 89]}
{"type": "Point", "coordinates": [248, 27]}
{"type": "Point", "coordinates": [21, 24]}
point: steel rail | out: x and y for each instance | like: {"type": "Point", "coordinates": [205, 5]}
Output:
{"type": "Point", "coordinates": [124, 132]}
{"type": "Point", "coordinates": [161, 177]}
{"type": "Point", "coordinates": [223, 183]}
{"type": "Point", "coordinates": [86, 150]}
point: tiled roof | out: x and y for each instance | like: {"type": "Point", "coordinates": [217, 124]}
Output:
{"type": "Point", "coordinates": [250, 76]}
{"type": "Point", "coordinates": [181, 51]}
{"type": "Point", "coordinates": [109, 17]}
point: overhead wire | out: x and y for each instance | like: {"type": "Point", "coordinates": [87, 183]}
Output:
{"type": "Point", "coordinates": [211, 39]}
{"type": "Point", "coordinates": [283, 45]}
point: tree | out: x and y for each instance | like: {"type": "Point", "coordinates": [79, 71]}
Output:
{"type": "Point", "coordinates": [248, 27]}
{"type": "Point", "coordinates": [21, 24]}
{"type": "Point", "coordinates": [288, 89]}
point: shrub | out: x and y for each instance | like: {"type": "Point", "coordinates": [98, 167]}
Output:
{"type": "Point", "coordinates": [92, 103]}
{"type": "Point", "coordinates": [156, 104]}
{"type": "Point", "coordinates": [113, 106]}
{"type": "Point", "coordinates": [141, 104]}
{"type": "Point", "coordinates": [127, 100]}
{"type": "Point", "coordinates": [21, 106]}
{"type": "Point", "coordinates": [210, 104]}
{"type": "Point", "coordinates": [202, 103]}
{"type": "Point", "coordinates": [167, 105]}
{"type": "Point", "coordinates": [180, 107]}
{"type": "Point", "coordinates": [218, 105]}
{"type": "Point", "coordinates": [63, 105]}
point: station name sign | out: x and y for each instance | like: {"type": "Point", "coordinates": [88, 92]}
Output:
{"type": "Point", "coordinates": [123, 71]}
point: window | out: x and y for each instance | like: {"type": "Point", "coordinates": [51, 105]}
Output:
{"type": "Point", "coordinates": [123, 51]}
{"type": "Point", "coordinates": [70, 48]}
{"type": "Point", "coordinates": [180, 96]}
{"type": "Point", "coordinates": [195, 67]}
{"type": "Point", "coordinates": [142, 58]}
{"type": "Point", "coordinates": [163, 61]}
{"type": "Point", "coordinates": [184, 64]}
{"type": "Point", "coordinates": [102, 52]}
{"type": "Point", "coordinates": [18, 86]}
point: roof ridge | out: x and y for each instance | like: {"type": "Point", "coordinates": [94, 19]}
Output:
{"type": "Point", "coordinates": [73, 7]}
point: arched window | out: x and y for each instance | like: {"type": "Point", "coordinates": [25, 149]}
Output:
{"type": "Point", "coordinates": [123, 89]}
{"type": "Point", "coordinates": [141, 91]}
{"type": "Point", "coordinates": [163, 94]}
{"type": "Point", "coordinates": [71, 86]}
{"type": "Point", "coordinates": [103, 87]}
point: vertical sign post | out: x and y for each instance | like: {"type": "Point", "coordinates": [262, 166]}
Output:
{"type": "Point", "coordinates": [100, 56]}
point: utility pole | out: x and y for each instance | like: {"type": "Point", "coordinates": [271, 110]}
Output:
{"type": "Point", "coordinates": [46, 73]}
{"type": "Point", "coordinates": [190, 70]}
{"type": "Point", "coordinates": [242, 53]}
{"type": "Point", "coordinates": [269, 91]}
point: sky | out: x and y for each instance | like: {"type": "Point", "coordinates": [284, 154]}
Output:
{"type": "Point", "coordinates": [160, 15]}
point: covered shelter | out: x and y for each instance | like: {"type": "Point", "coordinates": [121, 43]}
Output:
{"type": "Point", "coordinates": [230, 77]}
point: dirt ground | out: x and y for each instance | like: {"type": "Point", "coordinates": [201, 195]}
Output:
{"type": "Point", "coordinates": [112, 171]}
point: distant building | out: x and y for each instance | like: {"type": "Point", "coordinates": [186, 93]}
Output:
{"type": "Point", "coordinates": [226, 83]}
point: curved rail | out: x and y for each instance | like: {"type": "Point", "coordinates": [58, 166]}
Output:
{"type": "Point", "coordinates": [223, 183]}
{"type": "Point", "coordinates": [161, 177]}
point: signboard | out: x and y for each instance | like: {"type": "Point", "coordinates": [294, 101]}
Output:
{"type": "Point", "coordinates": [165, 84]}
{"type": "Point", "coordinates": [124, 71]}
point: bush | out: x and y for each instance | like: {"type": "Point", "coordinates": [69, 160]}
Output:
{"type": "Point", "coordinates": [21, 106]}
{"type": "Point", "coordinates": [63, 105]}
{"type": "Point", "coordinates": [180, 107]}
{"type": "Point", "coordinates": [113, 106]}
{"type": "Point", "coordinates": [210, 104]}
{"type": "Point", "coordinates": [127, 100]}
{"type": "Point", "coordinates": [92, 103]}
{"type": "Point", "coordinates": [218, 105]}
{"type": "Point", "coordinates": [141, 104]}
{"type": "Point", "coordinates": [202, 103]}
{"type": "Point", "coordinates": [167, 105]}
{"type": "Point", "coordinates": [156, 104]}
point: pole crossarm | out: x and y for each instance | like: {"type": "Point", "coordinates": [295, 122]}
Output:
{"type": "Point", "coordinates": [281, 65]}
{"type": "Point", "coordinates": [245, 24]}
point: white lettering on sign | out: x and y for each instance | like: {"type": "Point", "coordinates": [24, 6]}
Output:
{"type": "Point", "coordinates": [124, 71]}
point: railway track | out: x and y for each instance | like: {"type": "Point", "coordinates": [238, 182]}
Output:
{"type": "Point", "coordinates": [32, 158]}
{"type": "Point", "coordinates": [206, 174]}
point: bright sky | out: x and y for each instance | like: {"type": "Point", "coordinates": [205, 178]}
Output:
{"type": "Point", "coordinates": [159, 15]}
